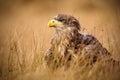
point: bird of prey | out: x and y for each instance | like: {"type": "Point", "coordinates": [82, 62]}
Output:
{"type": "Point", "coordinates": [68, 43]}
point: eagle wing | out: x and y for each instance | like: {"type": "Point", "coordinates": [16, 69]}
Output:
{"type": "Point", "coordinates": [92, 48]}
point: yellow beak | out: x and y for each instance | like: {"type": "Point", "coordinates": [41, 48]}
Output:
{"type": "Point", "coordinates": [54, 23]}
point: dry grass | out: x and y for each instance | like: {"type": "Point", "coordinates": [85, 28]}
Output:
{"type": "Point", "coordinates": [27, 63]}
{"type": "Point", "coordinates": [19, 68]}
{"type": "Point", "coordinates": [24, 38]}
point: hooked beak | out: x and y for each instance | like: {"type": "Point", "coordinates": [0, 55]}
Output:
{"type": "Point", "coordinates": [54, 23]}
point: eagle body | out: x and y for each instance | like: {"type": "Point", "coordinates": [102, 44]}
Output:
{"type": "Point", "coordinates": [69, 44]}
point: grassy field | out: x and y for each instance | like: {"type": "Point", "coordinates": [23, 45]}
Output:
{"type": "Point", "coordinates": [25, 37]}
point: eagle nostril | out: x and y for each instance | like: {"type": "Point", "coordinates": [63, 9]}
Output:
{"type": "Point", "coordinates": [53, 21]}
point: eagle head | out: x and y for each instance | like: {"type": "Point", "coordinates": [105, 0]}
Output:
{"type": "Point", "coordinates": [64, 21]}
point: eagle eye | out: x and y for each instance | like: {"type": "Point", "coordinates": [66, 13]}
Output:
{"type": "Point", "coordinates": [62, 20]}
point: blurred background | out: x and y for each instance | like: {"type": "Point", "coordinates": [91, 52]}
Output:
{"type": "Point", "coordinates": [24, 33]}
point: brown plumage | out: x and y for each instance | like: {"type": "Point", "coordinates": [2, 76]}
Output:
{"type": "Point", "coordinates": [68, 43]}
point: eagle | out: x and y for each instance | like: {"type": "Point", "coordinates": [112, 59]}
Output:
{"type": "Point", "coordinates": [68, 43]}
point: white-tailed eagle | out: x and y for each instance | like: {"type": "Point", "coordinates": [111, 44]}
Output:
{"type": "Point", "coordinates": [68, 43]}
